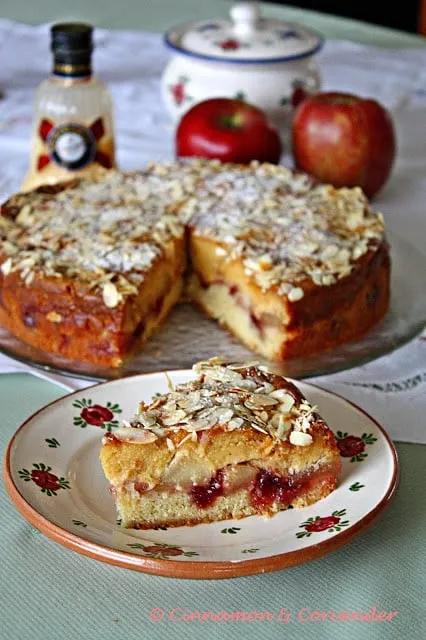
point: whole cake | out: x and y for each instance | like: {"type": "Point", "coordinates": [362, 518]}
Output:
{"type": "Point", "coordinates": [90, 268]}
{"type": "Point", "coordinates": [236, 441]}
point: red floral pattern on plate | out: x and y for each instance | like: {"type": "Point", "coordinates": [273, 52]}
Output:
{"type": "Point", "coordinates": [41, 475]}
{"type": "Point", "coordinates": [332, 523]}
{"type": "Point", "coordinates": [353, 447]}
{"type": "Point", "coordinates": [96, 415]}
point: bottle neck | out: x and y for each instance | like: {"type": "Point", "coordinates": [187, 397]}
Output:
{"type": "Point", "coordinates": [71, 71]}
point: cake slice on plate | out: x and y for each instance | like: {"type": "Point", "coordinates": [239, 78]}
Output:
{"type": "Point", "coordinates": [236, 441]}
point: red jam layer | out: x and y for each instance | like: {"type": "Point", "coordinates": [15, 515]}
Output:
{"type": "Point", "coordinates": [265, 489]}
{"type": "Point", "coordinates": [269, 488]}
{"type": "Point", "coordinates": [205, 495]}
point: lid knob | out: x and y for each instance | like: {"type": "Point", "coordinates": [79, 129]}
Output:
{"type": "Point", "coordinates": [246, 16]}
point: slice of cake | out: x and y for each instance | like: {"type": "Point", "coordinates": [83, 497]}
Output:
{"type": "Point", "coordinates": [90, 268]}
{"type": "Point", "coordinates": [236, 441]}
{"type": "Point", "coordinates": [289, 266]}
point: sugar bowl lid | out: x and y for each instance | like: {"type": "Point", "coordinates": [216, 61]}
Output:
{"type": "Point", "coordinates": [246, 38]}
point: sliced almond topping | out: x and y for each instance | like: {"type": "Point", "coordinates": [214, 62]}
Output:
{"type": "Point", "coordinates": [135, 436]}
{"type": "Point", "coordinates": [286, 404]}
{"type": "Point", "coordinates": [329, 251]}
{"type": "Point", "coordinates": [260, 400]}
{"type": "Point", "coordinates": [242, 365]}
{"type": "Point", "coordinates": [146, 419]}
{"type": "Point", "coordinates": [175, 418]}
{"type": "Point", "coordinates": [203, 423]}
{"type": "Point", "coordinates": [257, 428]}
{"type": "Point", "coordinates": [6, 267]}
{"type": "Point", "coordinates": [300, 439]}
{"type": "Point", "coordinates": [24, 216]}
{"type": "Point", "coordinates": [328, 279]}
{"type": "Point", "coordinates": [295, 294]}
{"type": "Point", "coordinates": [302, 423]}
{"type": "Point", "coordinates": [221, 374]}
{"type": "Point", "coordinates": [223, 415]}
{"type": "Point", "coordinates": [235, 423]}
{"type": "Point", "coordinates": [283, 427]}
{"type": "Point", "coordinates": [285, 399]}
{"type": "Point", "coordinates": [266, 387]}
{"type": "Point", "coordinates": [29, 278]}
{"type": "Point", "coordinates": [110, 295]}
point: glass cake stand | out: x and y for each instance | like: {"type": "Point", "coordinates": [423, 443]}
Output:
{"type": "Point", "coordinates": [188, 336]}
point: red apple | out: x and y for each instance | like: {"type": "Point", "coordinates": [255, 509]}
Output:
{"type": "Point", "coordinates": [228, 130]}
{"type": "Point", "coordinates": [344, 140]}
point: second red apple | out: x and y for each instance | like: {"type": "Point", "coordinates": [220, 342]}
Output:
{"type": "Point", "coordinates": [344, 140]}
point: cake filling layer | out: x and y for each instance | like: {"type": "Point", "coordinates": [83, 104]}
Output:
{"type": "Point", "coordinates": [262, 333]}
{"type": "Point", "coordinates": [264, 486]}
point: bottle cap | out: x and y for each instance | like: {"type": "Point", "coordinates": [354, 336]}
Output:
{"type": "Point", "coordinates": [72, 47]}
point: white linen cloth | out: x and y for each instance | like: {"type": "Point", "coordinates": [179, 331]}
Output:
{"type": "Point", "coordinates": [392, 388]}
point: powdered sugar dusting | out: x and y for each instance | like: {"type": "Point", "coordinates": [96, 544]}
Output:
{"type": "Point", "coordinates": [284, 227]}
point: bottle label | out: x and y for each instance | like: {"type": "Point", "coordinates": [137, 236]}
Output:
{"type": "Point", "coordinates": [71, 146]}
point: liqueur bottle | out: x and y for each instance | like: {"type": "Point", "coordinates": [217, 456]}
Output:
{"type": "Point", "coordinates": [73, 127]}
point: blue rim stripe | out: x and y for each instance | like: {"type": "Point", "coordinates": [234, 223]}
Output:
{"type": "Point", "coordinates": [168, 41]}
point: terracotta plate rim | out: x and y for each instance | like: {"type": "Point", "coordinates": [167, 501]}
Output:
{"type": "Point", "coordinates": [193, 569]}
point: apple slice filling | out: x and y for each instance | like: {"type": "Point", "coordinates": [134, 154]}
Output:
{"type": "Point", "coordinates": [259, 322]}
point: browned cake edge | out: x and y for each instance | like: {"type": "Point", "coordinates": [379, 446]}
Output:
{"type": "Point", "coordinates": [62, 316]}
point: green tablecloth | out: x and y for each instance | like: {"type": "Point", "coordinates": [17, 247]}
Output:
{"type": "Point", "coordinates": [50, 593]}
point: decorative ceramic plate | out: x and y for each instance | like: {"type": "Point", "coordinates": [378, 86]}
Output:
{"type": "Point", "coordinates": [54, 477]}
{"type": "Point", "coordinates": [187, 336]}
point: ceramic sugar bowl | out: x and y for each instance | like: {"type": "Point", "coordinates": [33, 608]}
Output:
{"type": "Point", "coordinates": [269, 63]}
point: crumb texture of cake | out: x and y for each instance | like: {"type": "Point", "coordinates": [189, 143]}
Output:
{"type": "Point", "coordinates": [236, 441]}
{"type": "Point", "coordinates": [90, 268]}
